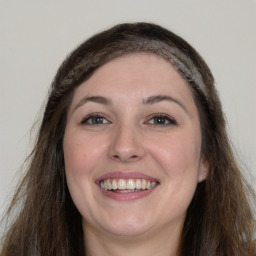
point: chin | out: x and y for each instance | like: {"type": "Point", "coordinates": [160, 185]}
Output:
{"type": "Point", "coordinates": [127, 229]}
{"type": "Point", "coordinates": [125, 225]}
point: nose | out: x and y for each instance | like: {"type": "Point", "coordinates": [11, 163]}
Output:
{"type": "Point", "coordinates": [126, 145]}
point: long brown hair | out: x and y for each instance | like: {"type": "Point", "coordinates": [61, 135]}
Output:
{"type": "Point", "coordinates": [220, 217]}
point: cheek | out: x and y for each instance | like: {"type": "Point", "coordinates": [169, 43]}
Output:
{"type": "Point", "coordinates": [178, 154]}
{"type": "Point", "coordinates": [75, 161]}
{"type": "Point", "coordinates": [79, 164]}
{"type": "Point", "coordinates": [180, 160]}
{"type": "Point", "coordinates": [80, 154]}
{"type": "Point", "coordinates": [75, 157]}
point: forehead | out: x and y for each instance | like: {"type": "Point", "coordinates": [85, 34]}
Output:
{"type": "Point", "coordinates": [135, 76]}
{"type": "Point", "coordinates": [142, 66]}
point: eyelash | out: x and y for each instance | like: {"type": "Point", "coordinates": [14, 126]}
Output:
{"type": "Point", "coordinates": [92, 120]}
{"type": "Point", "coordinates": [89, 119]}
{"type": "Point", "coordinates": [163, 117]}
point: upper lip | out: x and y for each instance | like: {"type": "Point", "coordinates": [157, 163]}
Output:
{"type": "Point", "coordinates": [125, 176]}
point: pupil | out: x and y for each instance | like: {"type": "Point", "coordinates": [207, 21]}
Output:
{"type": "Point", "coordinates": [159, 120]}
{"type": "Point", "coordinates": [97, 120]}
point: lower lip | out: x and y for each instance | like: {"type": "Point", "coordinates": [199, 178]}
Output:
{"type": "Point", "coordinates": [127, 196]}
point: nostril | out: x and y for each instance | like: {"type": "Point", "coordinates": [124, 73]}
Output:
{"type": "Point", "coordinates": [133, 156]}
{"type": "Point", "coordinates": [125, 158]}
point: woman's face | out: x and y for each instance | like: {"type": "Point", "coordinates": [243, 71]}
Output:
{"type": "Point", "coordinates": [132, 147]}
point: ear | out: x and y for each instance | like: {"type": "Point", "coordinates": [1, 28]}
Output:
{"type": "Point", "coordinates": [203, 170]}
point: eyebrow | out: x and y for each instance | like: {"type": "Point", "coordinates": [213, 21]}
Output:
{"type": "Point", "coordinates": [148, 101]}
{"type": "Point", "coordinates": [158, 98]}
{"type": "Point", "coordinates": [96, 99]}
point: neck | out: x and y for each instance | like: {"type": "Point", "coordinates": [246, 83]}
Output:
{"type": "Point", "coordinates": [161, 243]}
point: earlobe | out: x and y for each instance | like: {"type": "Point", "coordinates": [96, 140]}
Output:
{"type": "Point", "coordinates": [203, 170]}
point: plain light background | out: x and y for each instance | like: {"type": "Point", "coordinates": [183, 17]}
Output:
{"type": "Point", "coordinates": [35, 36]}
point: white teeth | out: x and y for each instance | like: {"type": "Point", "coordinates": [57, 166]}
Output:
{"type": "Point", "coordinates": [153, 184]}
{"type": "Point", "coordinates": [121, 184]}
{"type": "Point", "coordinates": [138, 184]}
{"type": "Point", "coordinates": [105, 184]}
{"type": "Point", "coordinates": [109, 186]}
{"type": "Point", "coordinates": [127, 191]}
{"type": "Point", "coordinates": [114, 184]}
{"type": "Point", "coordinates": [127, 186]}
{"type": "Point", "coordinates": [130, 184]}
{"type": "Point", "coordinates": [143, 184]}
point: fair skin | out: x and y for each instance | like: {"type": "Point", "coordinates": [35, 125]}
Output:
{"type": "Point", "coordinates": [133, 119]}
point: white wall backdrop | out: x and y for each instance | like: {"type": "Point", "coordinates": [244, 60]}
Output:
{"type": "Point", "coordinates": [35, 36]}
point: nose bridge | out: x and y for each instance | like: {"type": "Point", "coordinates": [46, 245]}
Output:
{"type": "Point", "coordinates": [127, 142]}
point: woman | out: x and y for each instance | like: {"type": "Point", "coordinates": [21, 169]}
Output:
{"type": "Point", "coordinates": [132, 157]}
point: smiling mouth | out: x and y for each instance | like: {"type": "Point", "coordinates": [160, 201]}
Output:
{"type": "Point", "coordinates": [127, 186]}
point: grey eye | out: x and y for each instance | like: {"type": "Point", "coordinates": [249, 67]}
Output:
{"type": "Point", "coordinates": [162, 120]}
{"type": "Point", "coordinates": [95, 120]}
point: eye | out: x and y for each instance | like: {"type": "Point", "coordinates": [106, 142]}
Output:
{"type": "Point", "coordinates": [94, 120]}
{"type": "Point", "coordinates": [161, 120]}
